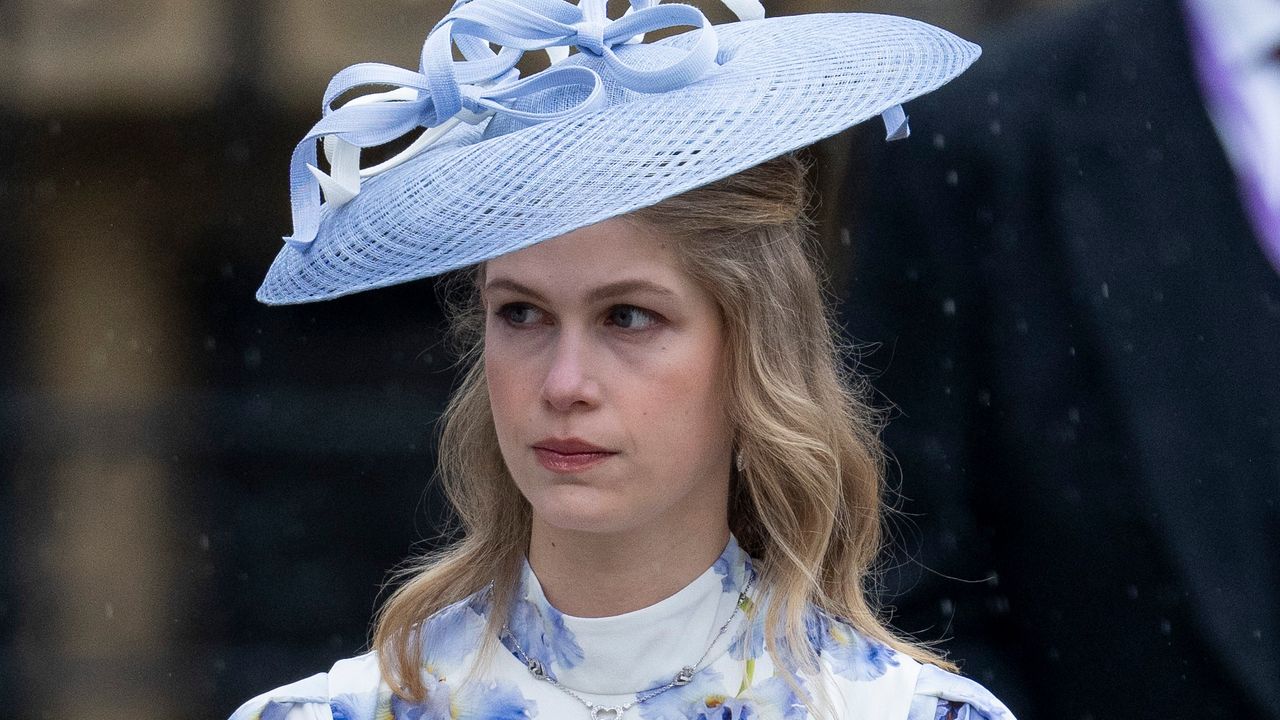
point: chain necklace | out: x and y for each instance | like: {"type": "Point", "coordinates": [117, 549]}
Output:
{"type": "Point", "coordinates": [615, 712]}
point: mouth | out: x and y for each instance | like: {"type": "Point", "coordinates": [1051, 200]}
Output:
{"type": "Point", "coordinates": [570, 455]}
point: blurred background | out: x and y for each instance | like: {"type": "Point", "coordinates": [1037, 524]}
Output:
{"type": "Point", "coordinates": [200, 496]}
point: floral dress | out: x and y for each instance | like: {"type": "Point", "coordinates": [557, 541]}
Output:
{"type": "Point", "coordinates": [617, 660]}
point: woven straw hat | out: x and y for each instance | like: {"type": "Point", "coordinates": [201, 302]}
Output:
{"type": "Point", "coordinates": [506, 162]}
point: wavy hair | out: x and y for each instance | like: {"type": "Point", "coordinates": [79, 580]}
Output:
{"type": "Point", "coordinates": [810, 501]}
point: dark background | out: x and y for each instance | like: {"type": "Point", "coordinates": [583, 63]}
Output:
{"type": "Point", "coordinates": [200, 497]}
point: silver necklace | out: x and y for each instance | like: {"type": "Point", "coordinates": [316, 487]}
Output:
{"type": "Point", "coordinates": [615, 712]}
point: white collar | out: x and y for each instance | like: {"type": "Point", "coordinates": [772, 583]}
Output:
{"type": "Point", "coordinates": [638, 650]}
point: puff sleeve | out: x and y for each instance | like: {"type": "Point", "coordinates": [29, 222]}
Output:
{"type": "Point", "coordinates": [351, 690]}
{"type": "Point", "coordinates": [941, 695]}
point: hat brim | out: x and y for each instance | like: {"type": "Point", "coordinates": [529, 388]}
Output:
{"type": "Point", "coordinates": [783, 83]}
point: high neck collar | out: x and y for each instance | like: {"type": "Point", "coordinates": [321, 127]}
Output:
{"type": "Point", "coordinates": [637, 650]}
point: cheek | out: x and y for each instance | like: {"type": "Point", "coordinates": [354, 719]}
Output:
{"type": "Point", "coordinates": [686, 404]}
{"type": "Point", "coordinates": [507, 375]}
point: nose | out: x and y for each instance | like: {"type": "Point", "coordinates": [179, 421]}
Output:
{"type": "Point", "coordinates": [570, 382]}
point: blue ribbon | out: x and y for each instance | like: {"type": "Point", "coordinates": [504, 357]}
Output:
{"type": "Point", "coordinates": [487, 82]}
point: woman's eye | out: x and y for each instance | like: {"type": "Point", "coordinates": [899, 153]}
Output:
{"type": "Point", "coordinates": [629, 317]}
{"type": "Point", "coordinates": [519, 314]}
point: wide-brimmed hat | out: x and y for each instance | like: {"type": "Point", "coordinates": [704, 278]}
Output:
{"type": "Point", "coordinates": [504, 162]}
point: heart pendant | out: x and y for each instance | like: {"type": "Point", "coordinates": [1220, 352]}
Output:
{"type": "Point", "coordinates": [603, 712]}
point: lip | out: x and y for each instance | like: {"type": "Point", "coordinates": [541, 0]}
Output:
{"type": "Point", "coordinates": [568, 446]}
{"type": "Point", "coordinates": [569, 455]}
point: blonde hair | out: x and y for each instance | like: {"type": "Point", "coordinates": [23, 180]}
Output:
{"type": "Point", "coordinates": [810, 500]}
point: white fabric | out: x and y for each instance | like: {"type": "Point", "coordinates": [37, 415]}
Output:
{"type": "Point", "coordinates": [610, 660]}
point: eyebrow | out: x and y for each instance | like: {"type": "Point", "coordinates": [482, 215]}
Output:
{"type": "Point", "coordinates": [602, 292]}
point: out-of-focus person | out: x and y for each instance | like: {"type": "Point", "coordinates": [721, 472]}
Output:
{"type": "Point", "coordinates": [1073, 277]}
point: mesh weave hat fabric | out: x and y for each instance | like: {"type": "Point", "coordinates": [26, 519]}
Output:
{"type": "Point", "coordinates": [491, 188]}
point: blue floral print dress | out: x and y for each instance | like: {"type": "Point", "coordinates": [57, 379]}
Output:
{"type": "Point", "coordinates": [613, 660]}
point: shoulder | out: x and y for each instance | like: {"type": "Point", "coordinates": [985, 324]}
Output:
{"type": "Point", "coordinates": [869, 673]}
{"type": "Point", "coordinates": [351, 690]}
{"type": "Point", "coordinates": [941, 695]}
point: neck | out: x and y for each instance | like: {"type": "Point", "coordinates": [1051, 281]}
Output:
{"type": "Point", "coordinates": [587, 574]}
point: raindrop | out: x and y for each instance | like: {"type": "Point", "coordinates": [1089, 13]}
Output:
{"type": "Point", "coordinates": [947, 607]}
{"type": "Point", "coordinates": [109, 610]}
{"type": "Point", "coordinates": [204, 541]}
{"type": "Point", "coordinates": [1131, 592]}
{"type": "Point", "coordinates": [993, 98]}
{"type": "Point", "coordinates": [210, 343]}
{"type": "Point", "coordinates": [940, 141]}
{"type": "Point", "coordinates": [953, 178]}
{"type": "Point", "coordinates": [995, 127]}
{"type": "Point", "coordinates": [949, 307]}
{"type": "Point", "coordinates": [252, 357]}
{"type": "Point", "coordinates": [1022, 326]}
{"type": "Point", "coordinates": [1073, 414]}
{"type": "Point", "coordinates": [1106, 291]}
{"type": "Point", "coordinates": [1071, 351]}
{"type": "Point", "coordinates": [1166, 627]}
{"type": "Point", "coordinates": [845, 240]}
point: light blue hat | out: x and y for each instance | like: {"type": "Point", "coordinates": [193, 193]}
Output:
{"type": "Point", "coordinates": [504, 162]}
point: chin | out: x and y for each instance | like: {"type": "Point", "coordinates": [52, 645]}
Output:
{"type": "Point", "coordinates": [583, 508]}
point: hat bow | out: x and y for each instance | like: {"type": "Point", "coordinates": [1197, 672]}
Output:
{"type": "Point", "coordinates": [445, 92]}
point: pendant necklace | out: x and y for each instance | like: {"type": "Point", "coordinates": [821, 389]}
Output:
{"type": "Point", "coordinates": [615, 712]}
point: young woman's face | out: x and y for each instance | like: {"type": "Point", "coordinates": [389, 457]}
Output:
{"type": "Point", "coordinates": [606, 372]}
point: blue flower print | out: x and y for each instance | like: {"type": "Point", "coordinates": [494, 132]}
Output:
{"type": "Point", "coordinates": [679, 702]}
{"type": "Point", "coordinates": [749, 642]}
{"type": "Point", "coordinates": [470, 701]}
{"type": "Point", "coordinates": [498, 701]}
{"type": "Point", "coordinates": [438, 704]}
{"type": "Point", "coordinates": [772, 699]}
{"type": "Point", "coordinates": [542, 634]}
{"type": "Point", "coordinates": [734, 567]}
{"type": "Point", "coordinates": [955, 710]}
{"type": "Point", "coordinates": [851, 655]}
{"type": "Point", "coordinates": [448, 638]}
{"type": "Point", "coordinates": [275, 711]}
{"type": "Point", "coordinates": [450, 635]}
{"type": "Point", "coordinates": [353, 707]}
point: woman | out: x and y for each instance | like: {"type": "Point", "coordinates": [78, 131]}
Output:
{"type": "Point", "coordinates": [669, 496]}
